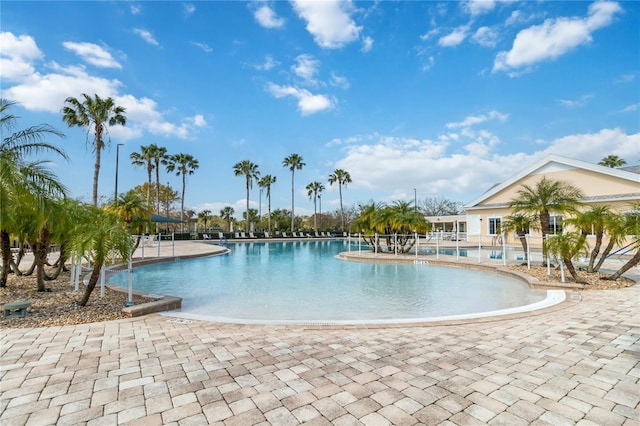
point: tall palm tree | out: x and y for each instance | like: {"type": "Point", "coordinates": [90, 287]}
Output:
{"type": "Point", "coordinates": [95, 114]}
{"type": "Point", "coordinates": [293, 162]}
{"type": "Point", "coordinates": [227, 215]}
{"type": "Point", "coordinates": [612, 161]}
{"type": "Point", "coordinates": [265, 182]}
{"type": "Point", "coordinates": [183, 165]}
{"type": "Point", "coordinates": [250, 172]}
{"type": "Point", "coordinates": [22, 180]}
{"type": "Point", "coordinates": [546, 197]}
{"type": "Point", "coordinates": [342, 177]}
{"type": "Point", "coordinates": [159, 155]}
{"type": "Point", "coordinates": [313, 191]}
{"type": "Point", "coordinates": [144, 158]}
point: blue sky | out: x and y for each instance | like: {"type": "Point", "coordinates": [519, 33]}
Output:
{"type": "Point", "coordinates": [446, 97]}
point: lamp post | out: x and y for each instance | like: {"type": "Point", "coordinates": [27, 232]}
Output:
{"type": "Point", "coordinates": [115, 197]}
{"type": "Point", "coordinates": [260, 211]}
{"type": "Point", "coordinates": [320, 198]}
{"type": "Point", "coordinates": [415, 200]}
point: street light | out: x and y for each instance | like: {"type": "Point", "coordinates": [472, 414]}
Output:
{"type": "Point", "coordinates": [415, 200]}
{"type": "Point", "coordinates": [115, 197]}
{"type": "Point", "coordinates": [320, 198]}
{"type": "Point", "coordinates": [260, 211]}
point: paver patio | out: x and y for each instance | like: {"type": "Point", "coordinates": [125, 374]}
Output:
{"type": "Point", "coordinates": [578, 363]}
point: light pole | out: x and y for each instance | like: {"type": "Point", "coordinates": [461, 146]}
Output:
{"type": "Point", "coordinates": [260, 211]}
{"type": "Point", "coordinates": [415, 200]}
{"type": "Point", "coordinates": [115, 198]}
{"type": "Point", "coordinates": [320, 199]}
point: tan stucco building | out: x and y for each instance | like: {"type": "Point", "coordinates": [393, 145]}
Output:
{"type": "Point", "coordinates": [617, 188]}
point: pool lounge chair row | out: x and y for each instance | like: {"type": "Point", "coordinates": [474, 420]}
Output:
{"type": "Point", "coordinates": [252, 236]}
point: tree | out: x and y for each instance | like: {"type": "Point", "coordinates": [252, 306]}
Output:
{"type": "Point", "coordinates": [250, 172]}
{"type": "Point", "coordinates": [631, 226]}
{"type": "Point", "coordinates": [293, 162]}
{"type": "Point", "coordinates": [612, 161]}
{"type": "Point", "coordinates": [342, 177]}
{"type": "Point", "coordinates": [313, 191]}
{"type": "Point", "coordinates": [227, 215]}
{"type": "Point", "coordinates": [204, 216]}
{"type": "Point", "coordinates": [440, 206]}
{"type": "Point", "coordinates": [22, 182]}
{"type": "Point", "coordinates": [100, 233]}
{"type": "Point", "coordinates": [159, 155]}
{"type": "Point", "coordinates": [520, 224]}
{"type": "Point", "coordinates": [564, 247]}
{"type": "Point", "coordinates": [546, 197]}
{"type": "Point", "coordinates": [183, 165]}
{"type": "Point", "coordinates": [144, 158]}
{"type": "Point", "coordinates": [265, 182]}
{"type": "Point", "coordinates": [593, 221]}
{"type": "Point", "coordinates": [95, 114]}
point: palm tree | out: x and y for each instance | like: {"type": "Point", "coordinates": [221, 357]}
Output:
{"type": "Point", "coordinates": [182, 164]}
{"type": "Point", "coordinates": [265, 182]}
{"type": "Point", "coordinates": [630, 226]}
{"type": "Point", "coordinates": [250, 171]}
{"type": "Point", "coordinates": [612, 161]}
{"type": "Point", "coordinates": [313, 191]}
{"type": "Point", "coordinates": [100, 233]}
{"type": "Point", "coordinates": [20, 180]}
{"type": "Point", "coordinates": [564, 247]}
{"type": "Point", "coordinates": [520, 224]}
{"type": "Point", "coordinates": [593, 221]}
{"type": "Point", "coordinates": [144, 158]}
{"type": "Point", "coordinates": [546, 197]}
{"type": "Point", "coordinates": [293, 162]}
{"type": "Point", "coordinates": [204, 216]}
{"type": "Point", "coordinates": [342, 177]}
{"type": "Point", "coordinates": [159, 155]}
{"type": "Point", "coordinates": [227, 215]}
{"type": "Point", "coordinates": [95, 114]}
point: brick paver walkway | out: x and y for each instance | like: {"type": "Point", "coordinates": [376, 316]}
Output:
{"type": "Point", "coordinates": [577, 364]}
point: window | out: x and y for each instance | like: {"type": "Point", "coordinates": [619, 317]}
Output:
{"type": "Point", "coordinates": [555, 224]}
{"type": "Point", "coordinates": [494, 225]}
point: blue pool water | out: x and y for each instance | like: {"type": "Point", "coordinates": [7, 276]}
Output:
{"type": "Point", "coordinates": [303, 281]}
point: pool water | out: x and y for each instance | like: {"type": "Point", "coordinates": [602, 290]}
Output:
{"type": "Point", "coordinates": [304, 281]}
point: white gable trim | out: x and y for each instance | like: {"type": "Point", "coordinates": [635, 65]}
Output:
{"type": "Point", "coordinates": [553, 163]}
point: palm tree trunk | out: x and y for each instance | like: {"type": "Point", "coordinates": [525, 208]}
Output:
{"type": "Point", "coordinates": [572, 270]}
{"type": "Point", "coordinates": [341, 209]}
{"type": "Point", "coordinates": [60, 264]}
{"type": "Point", "coordinates": [95, 274]}
{"type": "Point", "coordinates": [595, 251]}
{"type": "Point", "coordinates": [246, 225]}
{"type": "Point", "coordinates": [269, 218]}
{"type": "Point", "coordinates": [315, 212]}
{"type": "Point", "coordinates": [630, 264]}
{"type": "Point", "coordinates": [544, 228]}
{"type": "Point", "coordinates": [5, 246]}
{"type": "Point", "coordinates": [96, 171]}
{"type": "Point", "coordinates": [40, 254]}
{"type": "Point", "coordinates": [292, 185]}
{"type": "Point", "coordinates": [523, 241]}
{"type": "Point", "coordinates": [603, 256]}
{"type": "Point", "coordinates": [184, 184]}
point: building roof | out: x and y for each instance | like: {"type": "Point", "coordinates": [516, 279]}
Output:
{"type": "Point", "coordinates": [554, 163]}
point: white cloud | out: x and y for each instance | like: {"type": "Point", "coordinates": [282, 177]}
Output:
{"type": "Point", "coordinates": [574, 103]}
{"type": "Point", "coordinates": [92, 54]}
{"type": "Point", "coordinates": [47, 89]}
{"type": "Point", "coordinates": [555, 37]}
{"type": "Point", "coordinates": [626, 78]}
{"type": "Point", "coordinates": [17, 56]}
{"type": "Point", "coordinates": [339, 81]}
{"type": "Point", "coordinates": [268, 63]}
{"type": "Point", "coordinates": [328, 21]}
{"type": "Point", "coordinates": [478, 7]}
{"type": "Point", "coordinates": [456, 37]}
{"type": "Point", "coordinates": [473, 120]}
{"type": "Point", "coordinates": [631, 108]}
{"type": "Point", "coordinates": [135, 9]}
{"type": "Point", "coordinates": [367, 44]}
{"type": "Point", "coordinates": [146, 36]}
{"type": "Point", "coordinates": [204, 46]}
{"type": "Point", "coordinates": [485, 36]}
{"type": "Point", "coordinates": [426, 36]}
{"type": "Point", "coordinates": [306, 67]}
{"type": "Point", "coordinates": [267, 18]}
{"type": "Point", "coordinates": [594, 146]}
{"type": "Point", "coordinates": [308, 103]}
{"type": "Point", "coordinates": [188, 9]}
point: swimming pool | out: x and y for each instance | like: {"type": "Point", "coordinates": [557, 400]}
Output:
{"type": "Point", "coordinates": [303, 281]}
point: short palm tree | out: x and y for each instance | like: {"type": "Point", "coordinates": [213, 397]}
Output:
{"type": "Point", "coordinates": [21, 180]}
{"type": "Point", "coordinates": [592, 221]}
{"type": "Point", "coordinates": [293, 162]}
{"type": "Point", "coordinates": [227, 215]}
{"type": "Point", "coordinates": [313, 191]}
{"type": "Point", "coordinates": [545, 197]}
{"type": "Point", "coordinates": [520, 224]}
{"type": "Point", "coordinates": [612, 161]}
{"type": "Point", "coordinates": [342, 177]}
{"type": "Point", "coordinates": [204, 216]}
{"type": "Point", "coordinates": [95, 114]}
{"type": "Point", "coordinates": [564, 247]}
{"type": "Point", "coordinates": [630, 226]}
{"type": "Point", "coordinates": [265, 182]}
{"type": "Point", "coordinates": [183, 165]}
{"type": "Point", "coordinates": [250, 172]}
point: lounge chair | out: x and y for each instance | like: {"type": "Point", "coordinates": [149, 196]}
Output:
{"type": "Point", "coordinates": [295, 234]}
{"type": "Point", "coordinates": [266, 234]}
{"type": "Point", "coordinates": [251, 235]}
{"type": "Point", "coordinates": [220, 235]}
{"type": "Point", "coordinates": [284, 235]}
{"type": "Point", "coordinates": [236, 235]}
{"type": "Point", "coordinates": [317, 236]}
{"type": "Point", "coordinates": [243, 235]}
